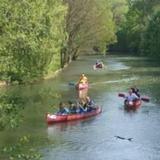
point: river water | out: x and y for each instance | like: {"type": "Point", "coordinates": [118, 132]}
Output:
{"type": "Point", "coordinates": [95, 138]}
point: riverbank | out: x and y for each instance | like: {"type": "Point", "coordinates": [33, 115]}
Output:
{"type": "Point", "coordinates": [48, 76]}
{"type": "Point", "coordinates": [55, 73]}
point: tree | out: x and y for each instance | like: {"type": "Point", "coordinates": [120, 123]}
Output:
{"type": "Point", "coordinates": [119, 9]}
{"type": "Point", "coordinates": [151, 45]}
{"type": "Point", "coordinates": [32, 34]}
{"type": "Point", "coordinates": [89, 24]}
{"type": "Point", "coordinates": [132, 33]}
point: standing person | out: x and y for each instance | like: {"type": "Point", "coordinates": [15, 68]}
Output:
{"type": "Point", "coordinates": [82, 94]}
{"type": "Point", "coordinates": [83, 79]}
{"type": "Point", "coordinates": [82, 88]}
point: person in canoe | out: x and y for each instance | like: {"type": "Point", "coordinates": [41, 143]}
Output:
{"type": "Point", "coordinates": [82, 88]}
{"type": "Point", "coordinates": [80, 108]}
{"type": "Point", "coordinates": [99, 64]}
{"type": "Point", "coordinates": [131, 97]}
{"type": "Point", "coordinates": [136, 91]}
{"type": "Point", "coordinates": [76, 107]}
{"type": "Point", "coordinates": [63, 110]}
{"type": "Point", "coordinates": [90, 104]}
{"type": "Point", "coordinates": [72, 107]}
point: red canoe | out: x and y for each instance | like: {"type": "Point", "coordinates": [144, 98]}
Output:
{"type": "Point", "coordinates": [133, 105]}
{"type": "Point", "coordinates": [53, 118]}
{"type": "Point", "coordinates": [98, 66]}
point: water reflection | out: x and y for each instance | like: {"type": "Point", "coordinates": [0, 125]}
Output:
{"type": "Point", "coordinates": [115, 65]}
{"type": "Point", "coordinates": [70, 126]}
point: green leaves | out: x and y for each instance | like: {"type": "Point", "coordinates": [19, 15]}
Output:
{"type": "Point", "coordinates": [151, 44]}
{"type": "Point", "coordinates": [137, 34]}
{"type": "Point", "coordinates": [20, 150]}
{"type": "Point", "coordinates": [10, 107]}
{"type": "Point", "coordinates": [89, 24]}
{"type": "Point", "coordinates": [32, 33]}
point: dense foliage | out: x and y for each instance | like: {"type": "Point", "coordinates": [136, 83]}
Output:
{"type": "Point", "coordinates": [140, 31]}
{"type": "Point", "coordinates": [151, 44]}
{"type": "Point", "coordinates": [31, 35]}
{"type": "Point", "coordinates": [38, 37]}
{"type": "Point", "coordinates": [89, 25]}
{"type": "Point", "coordinates": [20, 150]}
{"type": "Point", "coordinates": [10, 106]}
{"type": "Point", "coordinates": [10, 118]}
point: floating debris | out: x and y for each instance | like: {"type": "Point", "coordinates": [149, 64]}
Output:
{"type": "Point", "coordinates": [122, 138]}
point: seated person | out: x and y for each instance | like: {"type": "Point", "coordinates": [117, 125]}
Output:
{"type": "Point", "coordinates": [99, 64]}
{"type": "Point", "coordinates": [135, 90]}
{"type": "Point", "coordinates": [80, 108]}
{"type": "Point", "coordinates": [90, 104]}
{"type": "Point", "coordinates": [62, 109]}
{"type": "Point", "coordinates": [72, 107]}
{"type": "Point", "coordinates": [131, 97]}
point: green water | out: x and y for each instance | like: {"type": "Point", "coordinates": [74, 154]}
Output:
{"type": "Point", "coordinates": [93, 139]}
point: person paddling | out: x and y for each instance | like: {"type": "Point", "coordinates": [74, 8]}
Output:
{"type": "Point", "coordinates": [90, 104]}
{"type": "Point", "coordinates": [131, 97]}
{"type": "Point", "coordinates": [136, 91]}
{"type": "Point", "coordinates": [99, 64]}
{"type": "Point", "coordinates": [62, 109]}
{"type": "Point", "coordinates": [72, 107]}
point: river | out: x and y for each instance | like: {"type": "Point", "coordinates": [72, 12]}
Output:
{"type": "Point", "coordinates": [94, 138]}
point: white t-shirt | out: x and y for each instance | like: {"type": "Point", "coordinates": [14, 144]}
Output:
{"type": "Point", "coordinates": [131, 97]}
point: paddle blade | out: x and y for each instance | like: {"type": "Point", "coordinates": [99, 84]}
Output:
{"type": "Point", "coordinates": [71, 84]}
{"type": "Point", "coordinates": [145, 99]}
{"type": "Point", "coordinates": [121, 95]}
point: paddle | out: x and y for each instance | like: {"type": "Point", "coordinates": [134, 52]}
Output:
{"type": "Point", "coordinates": [121, 95]}
{"type": "Point", "coordinates": [143, 98]}
{"type": "Point", "coordinates": [71, 83]}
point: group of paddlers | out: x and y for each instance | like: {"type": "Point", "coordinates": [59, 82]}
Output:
{"type": "Point", "coordinates": [83, 104]}
{"type": "Point", "coordinates": [76, 107]}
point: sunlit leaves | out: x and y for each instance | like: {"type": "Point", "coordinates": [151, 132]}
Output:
{"type": "Point", "coordinates": [32, 33]}
{"type": "Point", "coordinates": [20, 150]}
{"type": "Point", "coordinates": [10, 107]}
{"type": "Point", "coordinates": [89, 23]}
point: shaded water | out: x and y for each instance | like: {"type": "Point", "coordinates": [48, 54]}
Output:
{"type": "Point", "coordinates": [94, 138]}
